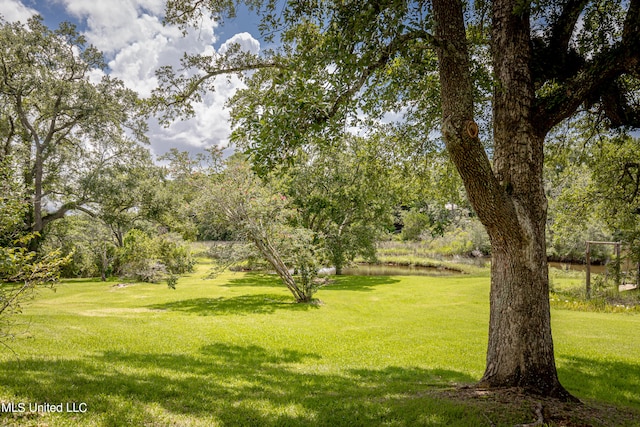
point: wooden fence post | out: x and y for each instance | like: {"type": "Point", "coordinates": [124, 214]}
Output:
{"type": "Point", "coordinates": [588, 255]}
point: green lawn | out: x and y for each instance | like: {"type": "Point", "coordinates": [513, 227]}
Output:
{"type": "Point", "coordinates": [236, 351]}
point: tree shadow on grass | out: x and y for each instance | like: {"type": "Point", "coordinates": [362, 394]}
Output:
{"type": "Point", "coordinates": [615, 382]}
{"type": "Point", "coordinates": [358, 283]}
{"type": "Point", "coordinates": [336, 283]}
{"type": "Point", "coordinates": [231, 385]}
{"type": "Point", "coordinates": [255, 280]}
{"type": "Point", "coordinates": [243, 305]}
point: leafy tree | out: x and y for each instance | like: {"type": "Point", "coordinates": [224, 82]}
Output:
{"type": "Point", "coordinates": [139, 257]}
{"type": "Point", "coordinates": [591, 183]}
{"type": "Point", "coordinates": [59, 127]}
{"type": "Point", "coordinates": [135, 196]}
{"type": "Point", "coordinates": [184, 175]}
{"type": "Point", "coordinates": [433, 196]}
{"type": "Point", "coordinates": [262, 216]}
{"type": "Point", "coordinates": [429, 63]}
{"type": "Point", "coordinates": [344, 193]}
{"type": "Point", "coordinates": [132, 195]}
{"type": "Point", "coordinates": [87, 241]}
{"type": "Point", "coordinates": [616, 190]}
{"type": "Point", "coordinates": [573, 214]}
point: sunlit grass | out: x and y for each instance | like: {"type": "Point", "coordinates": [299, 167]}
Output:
{"type": "Point", "coordinates": [237, 351]}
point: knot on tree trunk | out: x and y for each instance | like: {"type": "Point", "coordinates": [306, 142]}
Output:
{"type": "Point", "coordinates": [472, 129]}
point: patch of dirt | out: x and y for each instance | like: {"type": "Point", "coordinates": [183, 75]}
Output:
{"type": "Point", "coordinates": [500, 406]}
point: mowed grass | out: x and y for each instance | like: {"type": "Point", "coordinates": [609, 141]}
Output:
{"type": "Point", "coordinates": [235, 350]}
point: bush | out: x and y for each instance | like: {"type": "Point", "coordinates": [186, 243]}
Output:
{"type": "Point", "coordinates": [469, 236]}
{"type": "Point", "coordinates": [152, 259]}
{"type": "Point", "coordinates": [87, 242]}
{"type": "Point", "coordinates": [175, 254]}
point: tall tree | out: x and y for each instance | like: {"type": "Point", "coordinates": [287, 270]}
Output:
{"type": "Point", "coordinates": [509, 198]}
{"type": "Point", "coordinates": [58, 124]}
{"type": "Point", "coordinates": [543, 61]}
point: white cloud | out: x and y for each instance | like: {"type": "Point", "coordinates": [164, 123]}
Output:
{"type": "Point", "coordinates": [131, 34]}
{"type": "Point", "coordinates": [113, 25]}
{"type": "Point", "coordinates": [245, 40]}
{"type": "Point", "coordinates": [14, 10]}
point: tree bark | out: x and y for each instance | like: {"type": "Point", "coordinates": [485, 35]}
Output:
{"type": "Point", "coordinates": [508, 198]}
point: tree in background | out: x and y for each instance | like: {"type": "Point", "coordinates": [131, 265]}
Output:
{"type": "Point", "coordinates": [433, 197]}
{"type": "Point", "coordinates": [132, 195]}
{"type": "Point", "coordinates": [262, 216]}
{"type": "Point", "coordinates": [184, 177]}
{"type": "Point", "coordinates": [591, 181]}
{"type": "Point", "coordinates": [615, 188]}
{"type": "Point", "coordinates": [133, 229]}
{"type": "Point", "coordinates": [89, 244]}
{"type": "Point", "coordinates": [151, 258]}
{"type": "Point", "coordinates": [344, 193]}
{"type": "Point", "coordinates": [571, 153]}
{"type": "Point", "coordinates": [59, 127]}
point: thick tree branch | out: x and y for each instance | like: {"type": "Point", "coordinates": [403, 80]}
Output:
{"type": "Point", "coordinates": [54, 117]}
{"type": "Point", "coordinates": [210, 73]}
{"type": "Point", "coordinates": [62, 211]}
{"type": "Point", "coordinates": [6, 149]}
{"type": "Point", "coordinates": [24, 120]}
{"type": "Point", "coordinates": [488, 198]}
{"type": "Point", "coordinates": [562, 29]}
{"type": "Point", "coordinates": [386, 54]}
{"type": "Point", "coordinates": [593, 79]}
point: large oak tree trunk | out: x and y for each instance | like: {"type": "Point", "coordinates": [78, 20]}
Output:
{"type": "Point", "coordinates": [508, 197]}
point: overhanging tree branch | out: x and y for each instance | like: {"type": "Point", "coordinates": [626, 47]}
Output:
{"type": "Point", "coordinates": [386, 54]}
{"type": "Point", "coordinates": [594, 78]}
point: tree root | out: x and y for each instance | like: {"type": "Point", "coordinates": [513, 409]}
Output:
{"type": "Point", "coordinates": [540, 421]}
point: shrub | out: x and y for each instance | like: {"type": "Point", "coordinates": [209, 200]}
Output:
{"type": "Point", "coordinates": [175, 254]}
{"type": "Point", "coordinates": [152, 259]}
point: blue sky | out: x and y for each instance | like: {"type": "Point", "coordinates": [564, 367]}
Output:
{"type": "Point", "coordinates": [135, 43]}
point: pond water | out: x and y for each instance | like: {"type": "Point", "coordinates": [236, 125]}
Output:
{"type": "Point", "coordinates": [364, 269]}
{"type": "Point", "coordinates": [569, 266]}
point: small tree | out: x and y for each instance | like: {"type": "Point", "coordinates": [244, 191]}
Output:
{"type": "Point", "coordinates": [344, 193]}
{"type": "Point", "coordinates": [260, 215]}
{"type": "Point", "coordinates": [21, 274]}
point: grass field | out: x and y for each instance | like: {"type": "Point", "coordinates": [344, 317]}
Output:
{"type": "Point", "coordinates": [235, 351]}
